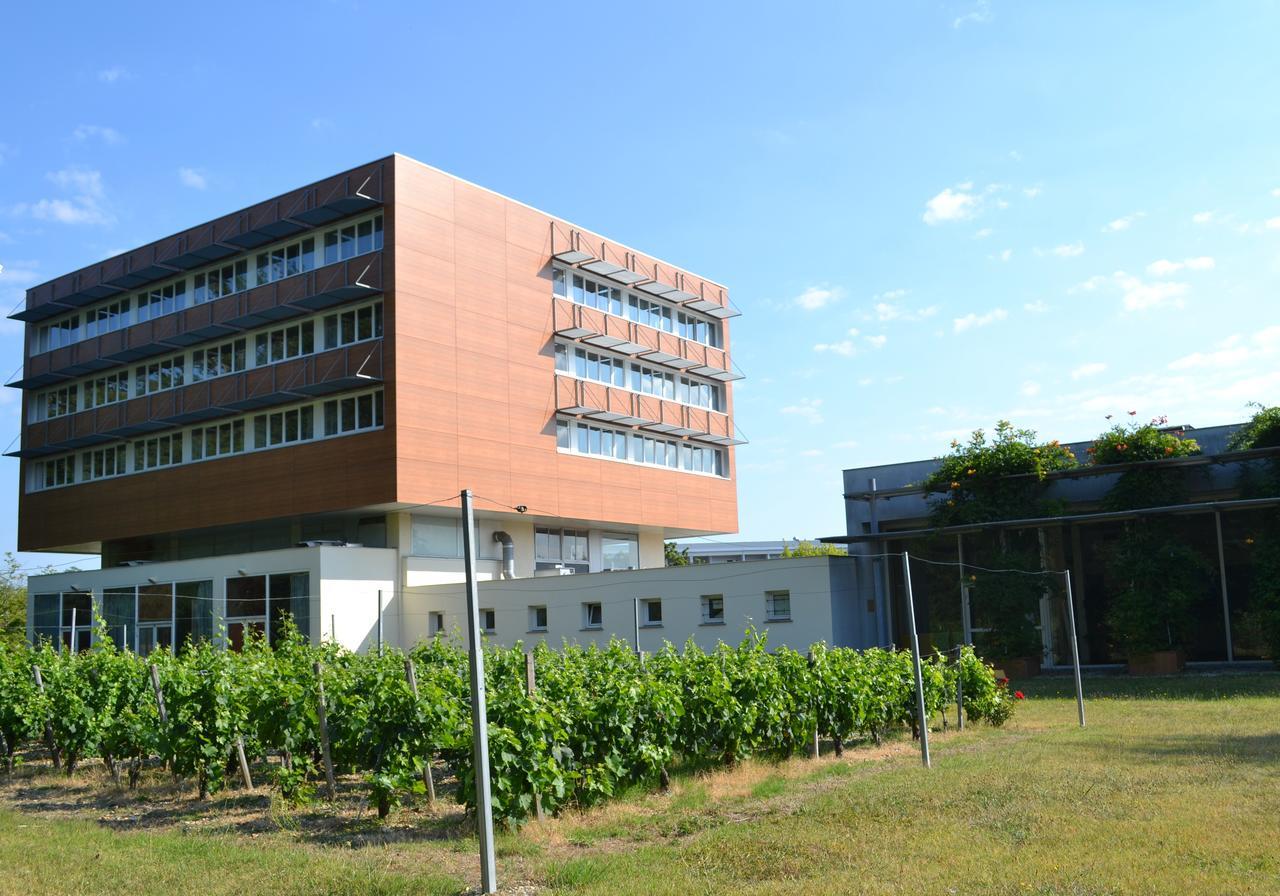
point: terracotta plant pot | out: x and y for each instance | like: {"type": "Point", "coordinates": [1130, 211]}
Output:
{"type": "Point", "coordinates": [1161, 662]}
{"type": "Point", "coordinates": [1019, 668]}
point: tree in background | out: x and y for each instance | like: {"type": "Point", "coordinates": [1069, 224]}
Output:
{"type": "Point", "coordinates": [814, 549]}
{"type": "Point", "coordinates": [676, 556]}
{"type": "Point", "coordinates": [13, 600]}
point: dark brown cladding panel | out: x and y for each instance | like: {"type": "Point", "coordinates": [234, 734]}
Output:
{"type": "Point", "coordinates": [235, 232]}
{"type": "Point", "coordinates": [321, 477]}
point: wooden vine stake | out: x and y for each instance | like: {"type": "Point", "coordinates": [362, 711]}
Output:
{"type": "Point", "coordinates": [427, 778]}
{"type": "Point", "coordinates": [54, 753]}
{"type": "Point", "coordinates": [531, 688]}
{"type": "Point", "coordinates": [244, 762]}
{"type": "Point", "coordinates": [324, 730]}
{"type": "Point", "coordinates": [814, 749]}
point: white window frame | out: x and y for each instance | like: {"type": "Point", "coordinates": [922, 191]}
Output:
{"type": "Point", "coordinates": [488, 620]}
{"type": "Point", "coordinates": [536, 611]}
{"type": "Point", "coordinates": [712, 609]}
{"type": "Point", "coordinates": [587, 624]}
{"type": "Point", "coordinates": [770, 612]}
{"type": "Point", "coordinates": [647, 606]}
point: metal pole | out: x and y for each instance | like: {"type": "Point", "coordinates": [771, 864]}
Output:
{"type": "Point", "coordinates": [333, 628]}
{"type": "Point", "coordinates": [1222, 578]}
{"type": "Point", "coordinates": [479, 717]}
{"type": "Point", "coordinates": [636, 607]}
{"type": "Point", "coordinates": [915, 662]}
{"type": "Point", "coordinates": [73, 629]}
{"type": "Point", "coordinates": [1075, 650]}
{"type": "Point", "coordinates": [966, 620]}
{"type": "Point", "coordinates": [379, 622]}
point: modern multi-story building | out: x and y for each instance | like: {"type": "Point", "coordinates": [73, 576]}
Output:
{"type": "Point", "coordinates": [275, 411]}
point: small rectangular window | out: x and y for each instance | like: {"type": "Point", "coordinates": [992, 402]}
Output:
{"type": "Point", "coordinates": [592, 615]}
{"type": "Point", "coordinates": [777, 606]}
{"type": "Point", "coordinates": [713, 609]}
{"type": "Point", "coordinates": [652, 611]}
{"type": "Point", "coordinates": [488, 621]}
{"type": "Point", "coordinates": [537, 619]}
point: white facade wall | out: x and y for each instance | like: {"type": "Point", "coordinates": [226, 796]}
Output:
{"type": "Point", "coordinates": [743, 586]}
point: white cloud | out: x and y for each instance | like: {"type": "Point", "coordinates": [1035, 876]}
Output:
{"type": "Point", "coordinates": [1226, 357]}
{"type": "Point", "coordinates": [844, 347]}
{"type": "Point", "coordinates": [886, 312]}
{"type": "Point", "coordinates": [109, 136]}
{"type": "Point", "coordinates": [1203, 217]}
{"type": "Point", "coordinates": [1164, 267]}
{"type": "Point", "coordinates": [1031, 192]}
{"type": "Point", "coordinates": [982, 234]}
{"type": "Point", "coordinates": [816, 297]}
{"type": "Point", "coordinates": [1276, 192]}
{"type": "Point", "coordinates": [980, 14]}
{"type": "Point", "coordinates": [1039, 306]}
{"type": "Point", "coordinates": [972, 320]}
{"type": "Point", "coordinates": [1003, 256]}
{"type": "Point", "coordinates": [1068, 250]}
{"type": "Point", "coordinates": [1140, 296]}
{"type": "Point", "coordinates": [86, 203]}
{"type": "Point", "coordinates": [806, 409]}
{"type": "Point", "coordinates": [950, 205]}
{"type": "Point", "coordinates": [192, 178]}
{"type": "Point", "coordinates": [1085, 370]}
{"type": "Point", "coordinates": [1272, 223]}
{"type": "Point", "coordinates": [113, 74]}
{"type": "Point", "coordinates": [877, 341]}
{"type": "Point", "coordinates": [1123, 223]}
{"type": "Point", "coordinates": [1030, 389]}
{"type": "Point", "coordinates": [849, 443]}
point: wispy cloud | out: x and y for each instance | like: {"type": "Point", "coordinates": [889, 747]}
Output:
{"type": "Point", "coordinates": [1030, 389]}
{"type": "Point", "coordinates": [806, 409]}
{"type": "Point", "coordinates": [1068, 250]}
{"type": "Point", "coordinates": [877, 341]}
{"type": "Point", "coordinates": [1164, 267]}
{"type": "Point", "coordinates": [1204, 217]}
{"type": "Point", "coordinates": [973, 320]}
{"type": "Point", "coordinates": [844, 347]}
{"type": "Point", "coordinates": [979, 14]}
{"type": "Point", "coordinates": [1086, 370]}
{"type": "Point", "coordinates": [1141, 296]}
{"type": "Point", "coordinates": [109, 136]}
{"type": "Point", "coordinates": [1039, 306]}
{"type": "Point", "coordinates": [84, 200]}
{"type": "Point", "coordinates": [113, 74]}
{"type": "Point", "coordinates": [886, 308]}
{"type": "Point", "coordinates": [816, 297]}
{"type": "Point", "coordinates": [983, 233]}
{"type": "Point", "coordinates": [1003, 255]}
{"type": "Point", "coordinates": [1032, 192]}
{"type": "Point", "coordinates": [1123, 223]}
{"type": "Point", "coordinates": [192, 178]}
{"type": "Point", "coordinates": [950, 205]}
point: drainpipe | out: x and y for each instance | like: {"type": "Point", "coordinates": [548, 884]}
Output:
{"type": "Point", "coordinates": [508, 554]}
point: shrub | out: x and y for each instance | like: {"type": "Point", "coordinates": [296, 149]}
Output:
{"type": "Point", "coordinates": [1156, 580]}
{"type": "Point", "coordinates": [1261, 431]}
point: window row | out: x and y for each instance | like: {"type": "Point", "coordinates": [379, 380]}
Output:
{"type": "Point", "coordinates": [283, 343]}
{"type": "Point", "coordinates": [340, 416]}
{"type": "Point", "coordinates": [777, 608]}
{"type": "Point", "coordinates": [578, 437]}
{"type": "Point", "coordinates": [298, 257]}
{"type": "Point", "coordinates": [650, 312]}
{"type": "Point", "coordinates": [612, 371]}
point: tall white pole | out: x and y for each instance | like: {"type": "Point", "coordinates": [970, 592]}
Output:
{"type": "Point", "coordinates": [479, 716]}
{"type": "Point", "coordinates": [915, 662]}
{"type": "Point", "coordinates": [379, 622]}
{"type": "Point", "coordinates": [1075, 649]}
{"type": "Point", "coordinates": [636, 607]}
{"type": "Point", "coordinates": [73, 629]}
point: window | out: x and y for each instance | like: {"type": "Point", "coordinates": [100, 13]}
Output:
{"type": "Point", "coordinates": [162, 451]}
{"type": "Point", "coordinates": [261, 604]}
{"type": "Point", "coordinates": [353, 414]}
{"type": "Point", "coordinates": [578, 437]}
{"type": "Point", "coordinates": [106, 318]}
{"type": "Point", "coordinates": [284, 343]}
{"type": "Point", "coordinates": [592, 615]}
{"type": "Point", "coordinates": [218, 361]}
{"type": "Point", "coordinates": [554, 548]}
{"type": "Point", "coordinates": [61, 471]}
{"type": "Point", "coordinates": [696, 329]}
{"type": "Point", "coordinates": [57, 403]}
{"type": "Point", "coordinates": [597, 295]}
{"type": "Point", "coordinates": [537, 619]}
{"type": "Point", "coordinates": [354, 239]}
{"type": "Point", "coordinates": [651, 611]}
{"type": "Point", "coordinates": [651, 314]}
{"type": "Point", "coordinates": [223, 281]}
{"type": "Point", "coordinates": [488, 621]}
{"type": "Point", "coordinates": [713, 609]}
{"type": "Point", "coordinates": [653, 382]}
{"type": "Point", "coordinates": [620, 551]}
{"type": "Point", "coordinates": [591, 365]}
{"type": "Point", "coordinates": [282, 427]}
{"type": "Point", "coordinates": [777, 606]}
{"type": "Point", "coordinates": [434, 537]}
{"type": "Point", "coordinates": [285, 261]}
{"type": "Point", "coordinates": [107, 389]}
{"type": "Point", "coordinates": [102, 463]}
{"type": "Point", "coordinates": [698, 394]}
{"type": "Point", "coordinates": [58, 335]}
{"type": "Point", "coordinates": [352, 326]}
{"type": "Point", "coordinates": [217, 440]}
{"type": "Point", "coordinates": [162, 300]}
{"type": "Point", "coordinates": [435, 623]}
{"type": "Point", "coordinates": [157, 377]}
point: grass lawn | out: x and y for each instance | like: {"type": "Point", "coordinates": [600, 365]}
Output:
{"type": "Point", "coordinates": [1174, 788]}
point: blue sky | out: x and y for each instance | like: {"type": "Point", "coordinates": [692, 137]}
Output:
{"type": "Point", "coordinates": [933, 215]}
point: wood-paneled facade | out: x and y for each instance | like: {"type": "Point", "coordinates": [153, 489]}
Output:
{"type": "Point", "coordinates": [466, 361]}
